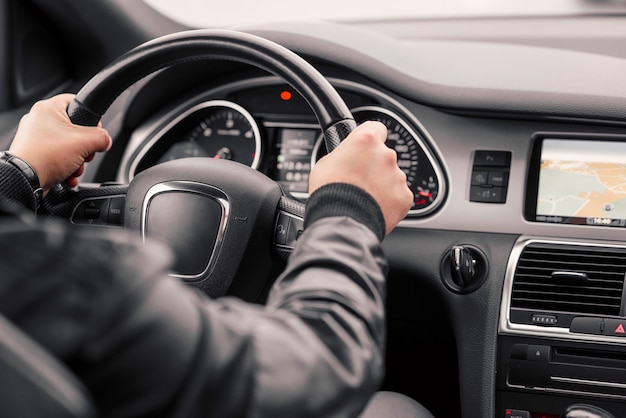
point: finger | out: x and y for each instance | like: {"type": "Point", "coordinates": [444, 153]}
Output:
{"type": "Point", "coordinates": [71, 182]}
{"type": "Point", "coordinates": [60, 103]}
{"type": "Point", "coordinates": [91, 139]}
{"type": "Point", "coordinates": [79, 171]}
{"type": "Point", "coordinates": [374, 128]}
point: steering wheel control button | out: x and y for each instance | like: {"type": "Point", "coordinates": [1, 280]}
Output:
{"type": "Point", "coordinates": [490, 176]}
{"type": "Point", "coordinates": [282, 229]}
{"type": "Point", "coordinates": [116, 211]}
{"type": "Point", "coordinates": [295, 229]}
{"type": "Point", "coordinates": [288, 229]}
{"type": "Point", "coordinates": [99, 211]}
{"type": "Point", "coordinates": [91, 212]}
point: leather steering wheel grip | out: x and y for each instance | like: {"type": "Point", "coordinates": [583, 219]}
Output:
{"type": "Point", "coordinates": [93, 100]}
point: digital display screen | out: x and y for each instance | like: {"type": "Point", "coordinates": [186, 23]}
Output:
{"type": "Point", "coordinates": [582, 182]}
{"type": "Point", "coordinates": [294, 156]}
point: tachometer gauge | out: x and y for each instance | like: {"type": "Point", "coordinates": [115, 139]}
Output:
{"type": "Point", "coordinates": [422, 171]}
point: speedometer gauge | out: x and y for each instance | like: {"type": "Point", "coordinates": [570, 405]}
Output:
{"type": "Point", "coordinates": [216, 129]}
{"type": "Point", "coordinates": [422, 171]}
{"type": "Point", "coordinates": [226, 131]}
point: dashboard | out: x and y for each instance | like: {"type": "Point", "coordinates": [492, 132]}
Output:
{"type": "Point", "coordinates": [535, 205]}
{"type": "Point", "coordinates": [508, 272]}
{"type": "Point", "coordinates": [468, 172]}
{"type": "Point", "coordinates": [532, 202]}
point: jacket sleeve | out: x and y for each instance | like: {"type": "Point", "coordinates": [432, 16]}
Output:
{"type": "Point", "coordinates": [147, 346]}
{"type": "Point", "coordinates": [316, 348]}
{"type": "Point", "coordinates": [14, 189]}
{"type": "Point", "coordinates": [328, 312]}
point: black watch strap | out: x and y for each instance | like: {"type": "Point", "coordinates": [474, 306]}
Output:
{"type": "Point", "coordinates": [27, 171]}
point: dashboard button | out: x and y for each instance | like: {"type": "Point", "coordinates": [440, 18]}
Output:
{"type": "Point", "coordinates": [614, 327]}
{"type": "Point", "coordinates": [538, 353]}
{"type": "Point", "coordinates": [488, 194]}
{"type": "Point", "coordinates": [519, 352]}
{"type": "Point", "coordinates": [516, 413]}
{"type": "Point", "coordinates": [492, 158]}
{"type": "Point", "coordinates": [497, 178]}
{"type": "Point", "coordinates": [586, 325]}
{"type": "Point", "coordinates": [479, 178]}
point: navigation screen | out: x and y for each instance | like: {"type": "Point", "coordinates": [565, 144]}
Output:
{"type": "Point", "coordinates": [582, 182]}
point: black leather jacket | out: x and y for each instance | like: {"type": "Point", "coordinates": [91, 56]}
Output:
{"type": "Point", "coordinates": [147, 346]}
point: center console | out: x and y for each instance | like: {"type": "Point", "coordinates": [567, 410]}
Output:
{"type": "Point", "coordinates": [562, 330]}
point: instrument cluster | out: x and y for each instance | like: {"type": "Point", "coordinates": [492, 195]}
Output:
{"type": "Point", "coordinates": [269, 127]}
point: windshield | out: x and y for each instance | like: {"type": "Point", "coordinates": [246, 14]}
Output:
{"type": "Point", "coordinates": [206, 14]}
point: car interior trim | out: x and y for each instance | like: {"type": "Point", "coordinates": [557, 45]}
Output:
{"type": "Point", "coordinates": [199, 189]}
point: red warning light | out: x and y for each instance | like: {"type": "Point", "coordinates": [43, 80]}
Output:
{"type": "Point", "coordinates": [620, 329]}
{"type": "Point", "coordinates": [285, 95]}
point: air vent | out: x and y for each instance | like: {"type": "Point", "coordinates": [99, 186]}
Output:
{"type": "Point", "coordinates": [571, 279]}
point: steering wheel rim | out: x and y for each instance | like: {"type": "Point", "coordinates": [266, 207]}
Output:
{"type": "Point", "coordinates": [249, 207]}
{"type": "Point", "coordinates": [97, 95]}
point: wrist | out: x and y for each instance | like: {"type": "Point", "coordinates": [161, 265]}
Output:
{"type": "Point", "coordinates": [27, 171]}
{"type": "Point", "coordinates": [343, 199]}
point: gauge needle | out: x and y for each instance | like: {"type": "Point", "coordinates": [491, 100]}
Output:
{"type": "Point", "coordinates": [223, 153]}
{"type": "Point", "coordinates": [425, 194]}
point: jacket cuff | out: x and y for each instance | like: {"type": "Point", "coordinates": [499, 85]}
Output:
{"type": "Point", "coordinates": [343, 199]}
{"type": "Point", "coordinates": [14, 188]}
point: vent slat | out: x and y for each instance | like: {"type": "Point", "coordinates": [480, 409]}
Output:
{"type": "Point", "coordinates": [535, 289]}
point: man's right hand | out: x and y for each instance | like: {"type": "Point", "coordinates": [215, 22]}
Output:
{"type": "Point", "coordinates": [363, 159]}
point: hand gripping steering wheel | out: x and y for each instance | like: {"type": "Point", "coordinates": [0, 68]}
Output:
{"type": "Point", "coordinates": [223, 219]}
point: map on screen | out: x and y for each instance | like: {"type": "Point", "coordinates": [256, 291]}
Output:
{"type": "Point", "coordinates": [582, 182]}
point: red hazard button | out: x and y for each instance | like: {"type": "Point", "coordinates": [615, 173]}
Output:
{"type": "Point", "coordinates": [615, 327]}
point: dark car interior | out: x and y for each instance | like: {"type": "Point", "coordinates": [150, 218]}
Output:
{"type": "Point", "coordinates": [506, 283]}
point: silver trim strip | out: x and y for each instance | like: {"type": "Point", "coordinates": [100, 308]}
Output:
{"type": "Point", "coordinates": [198, 188]}
{"type": "Point", "coordinates": [129, 166]}
{"type": "Point", "coordinates": [569, 392]}
{"type": "Point", "coordinates": [506, 327]}
{"type": "Point", "coordinates": [588, 382]}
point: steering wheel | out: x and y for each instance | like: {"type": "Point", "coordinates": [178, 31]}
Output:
{"type": "Point", "coordinates": [213, 213]}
